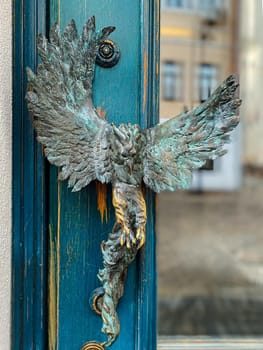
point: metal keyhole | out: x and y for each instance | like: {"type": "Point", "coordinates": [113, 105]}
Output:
{"type": "Point", "coordinates": [108, 54]}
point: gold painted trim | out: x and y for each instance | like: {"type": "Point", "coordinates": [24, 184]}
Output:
{"type": "Point", "coordinates": [54, 277]}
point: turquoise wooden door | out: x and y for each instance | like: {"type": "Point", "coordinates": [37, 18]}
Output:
{"type": "Point", "coordinates": [62, 242]}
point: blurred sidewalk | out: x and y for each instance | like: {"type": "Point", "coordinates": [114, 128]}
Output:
{"type": "Point", "coordinates": [210, 249]}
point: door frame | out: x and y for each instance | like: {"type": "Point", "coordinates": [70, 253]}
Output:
{"type": "Point", "coordinates": [29, 268]}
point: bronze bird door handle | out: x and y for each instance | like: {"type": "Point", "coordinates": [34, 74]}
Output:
{"type": "Point", "coordinates": [86, 147]}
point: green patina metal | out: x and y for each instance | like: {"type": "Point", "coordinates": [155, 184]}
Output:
{"type": "Point", "coordinates": [87, 147]}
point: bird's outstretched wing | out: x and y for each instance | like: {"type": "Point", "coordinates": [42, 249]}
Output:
{"type": "Point", "coordinates": [60, 99]}
{"type": "Point", "coordinates": [184, 143]}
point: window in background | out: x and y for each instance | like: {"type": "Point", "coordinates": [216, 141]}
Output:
{"type": "Point", "coordinates": [172, 81]}
{"type": "Point", "coordinates": [210, 259]}
{"type": "Point", "coordinates": [180, 4]}
{"type": "Point", "coordinates": [209, 4]}
{"type": "Point", "coordinates": [204, 5]}
{"type": "Point", "coordinates": [207, 78]}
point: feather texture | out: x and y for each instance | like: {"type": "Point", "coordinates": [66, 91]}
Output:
{"type": "Point", "coordinates": [60, 99]}
{"type": "Point", "coordinates": [184, 143]}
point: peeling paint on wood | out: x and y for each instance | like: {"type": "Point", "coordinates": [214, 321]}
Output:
{"type": "Point", "coordinates": [101, 112]}
{"type": "Point", "coordinates": [54, 277]}
{"type": "Point", "coordinates": [102, 200]}
{"type": "Point", "coordinates": [157, 68]}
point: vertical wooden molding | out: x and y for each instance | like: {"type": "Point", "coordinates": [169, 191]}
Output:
{"type": "Point", "coordinates": [146, 337]}
{"type": "Point", "coordinates": [29, 268]}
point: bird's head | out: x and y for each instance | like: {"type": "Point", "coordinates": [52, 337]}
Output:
{"type": "Point", "coordinates": [127, 144]}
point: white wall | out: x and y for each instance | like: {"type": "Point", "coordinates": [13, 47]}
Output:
{"type": "Point", "coordinates": [5, 172]}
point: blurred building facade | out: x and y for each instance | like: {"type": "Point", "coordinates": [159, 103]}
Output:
{"type": "Point", "coordinates": [209, 245]}
{"type": "Point", "coordinates": [199, 49]}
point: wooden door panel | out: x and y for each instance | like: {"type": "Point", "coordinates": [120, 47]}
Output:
{"type": "Point", "coordinates": [76, 229]}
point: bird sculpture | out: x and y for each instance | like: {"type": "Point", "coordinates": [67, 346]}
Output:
{"type": "Point", "coordinates": [86, 147]}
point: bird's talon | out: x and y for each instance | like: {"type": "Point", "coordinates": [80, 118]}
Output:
{"type": "Point", "coordinates": [141, 242]}
{"type": "Point", "coordinates": [140, 236]}
{"type": "Point", "coordinates": [127, 238]}
{"type": "Point", "coordinates": [122, 240]}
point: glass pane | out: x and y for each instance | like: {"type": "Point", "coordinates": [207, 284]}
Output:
{"type": "Point", "coordinates": [207, 80]}
{"type": "Point", "coordinates": [210, 261]}
{"type": "Point", "coordinates": [209, 4]}
{"type": "Point", "coordinates": [210, 238]}
{"type": "Point", "coordinates": [171, 80]}
{"type": "Point", "coordinates": [175, 3]}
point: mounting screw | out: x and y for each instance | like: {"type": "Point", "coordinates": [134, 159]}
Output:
{"type": "Point", "coordinates": [108, 54]}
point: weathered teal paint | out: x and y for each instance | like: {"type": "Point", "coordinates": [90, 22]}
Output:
{"type": "Point", "coordinates": [119, 91]}
{"type": "Point", "coordinates": [29, 188]}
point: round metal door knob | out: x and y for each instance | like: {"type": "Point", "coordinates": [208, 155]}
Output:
{"type": "Point", "coordinates": [108, 54]}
